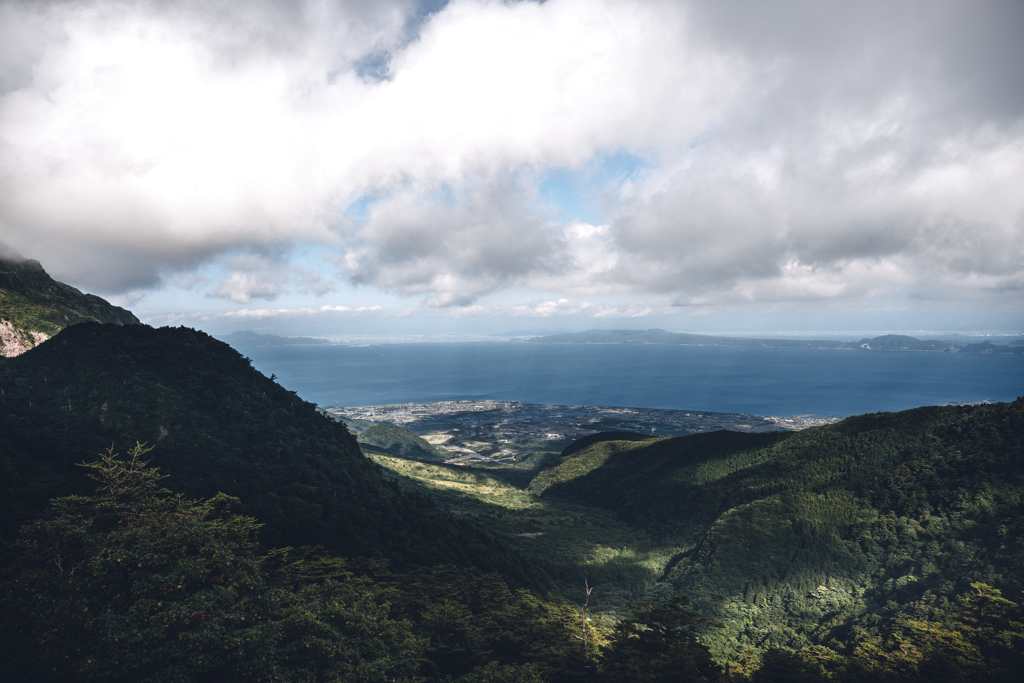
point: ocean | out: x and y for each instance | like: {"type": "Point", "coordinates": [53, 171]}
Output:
{"type": "Point", "coordinates": [755, 381]}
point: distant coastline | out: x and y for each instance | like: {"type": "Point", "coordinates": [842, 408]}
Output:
{"type": "Point", "coordinates": [724, 379]}
{"type": "Point", "coordinates": [245, 338]}
{"type": "Point", "coordinates": [889, 342]}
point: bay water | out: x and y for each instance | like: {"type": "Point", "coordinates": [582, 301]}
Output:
{"type": "Point", "coordinates": [757, 381]}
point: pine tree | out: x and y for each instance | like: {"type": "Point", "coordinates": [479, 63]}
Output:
{"type": "Point", "coordinates": [659, 643]}
{"type": "Point", "coordinates": [135, 584]}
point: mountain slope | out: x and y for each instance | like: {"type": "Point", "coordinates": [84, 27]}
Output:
{"type": "Point", "coordinates": [218, 425]}
{"type": "Point", "coordinates": [34, 306]}
{"type": "Point", "coordinates": [836, 533]}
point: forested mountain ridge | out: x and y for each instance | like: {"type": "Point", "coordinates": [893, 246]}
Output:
{"type": "Point", "coordinates": [834, 535]}
{"type": "Point", "coordinates": [218, 425]}
{"type": "Point", "coordinates": [854, 543]}
{"type": "Point", "coordinates": [34, 306]}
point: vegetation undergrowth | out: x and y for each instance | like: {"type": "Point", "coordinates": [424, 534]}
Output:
{"type": "Point", "coordinates": [886, 547]}
{"type": "Point", "coordinates": [569, 542]}
{"type": "Point", "coordinates": [839, 541]}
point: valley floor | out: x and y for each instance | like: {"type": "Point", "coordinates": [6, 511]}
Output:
{"type": "Point", "coordinates": [489, 431]}
{"type": "Point", "coordinates": [570, 543]}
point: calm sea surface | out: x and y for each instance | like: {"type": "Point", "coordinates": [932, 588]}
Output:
{"type": "Point", "coordinates": [721, 379]}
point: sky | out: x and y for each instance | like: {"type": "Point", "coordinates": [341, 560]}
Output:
{"type": "Point", "coordinates": [473, 167]}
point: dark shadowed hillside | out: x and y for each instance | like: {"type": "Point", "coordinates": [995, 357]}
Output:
{"type": "Point", "coordinates": [862, 543]}
{"type": "Point", "coordinates": [218, 425]}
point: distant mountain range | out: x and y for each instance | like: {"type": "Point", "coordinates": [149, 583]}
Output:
{"type": "Point", "coordinates": [35, 307]}
{"type": "Point", "coordinates": [889, 342]}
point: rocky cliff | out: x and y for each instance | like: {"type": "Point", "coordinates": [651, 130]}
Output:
{"type": "Point", "coordinates": [35, 307]}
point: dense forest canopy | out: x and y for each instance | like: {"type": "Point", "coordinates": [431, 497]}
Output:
{"type": "Point", "coordinates": [220, 426]}
{"type": "Point", "coordinates": [256, 540]}
{"type": "Point", "coordinates": [797, 539]}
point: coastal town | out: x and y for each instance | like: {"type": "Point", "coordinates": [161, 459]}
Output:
{"type": "Point", "coordinates": [500, 430]}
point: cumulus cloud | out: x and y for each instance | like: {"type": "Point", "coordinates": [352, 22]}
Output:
{"type": "Point", "coordinates": [148, 139]}
{"type": "Point", "coordinates": [264, 313]}
{"type": "Point", "coordinates": [141, 138]}
{"type": "Point", "coordinates": [801, 151]}
{"type": "Point", "coordinates": [837, 216]}
{"type": "Point", "coordinates": [880, 159]}
{"type": "Point", "coordinates": [569, 307]}
{"type": "Point", "coordinates": [255, 276]}
{"type": "Point", "coordinates": [453, 247]}
{"type": "Point", "coordinates": [326, 311]}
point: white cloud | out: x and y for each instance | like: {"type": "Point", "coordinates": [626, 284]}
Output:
{"type": "Point", "coordinates": [798, 152]}
{"type": "Point", "coordinates": [257, 276]}
{"type": "Point", "coordinates": [828, 217]}
{"type": "Point", "coordinates": [264, 313]}
{"type": "Point", "coordinates": [571, 308]}
{"type": "Point", "coordinates": [241, 287]}
{"type": "Point", "coordinates": [139, 134]}
{"type": "Point", "coordinates": [455, 247]}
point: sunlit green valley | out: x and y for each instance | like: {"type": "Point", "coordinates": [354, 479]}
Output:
{"type": "Point", "coordinates": [169, 513]}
